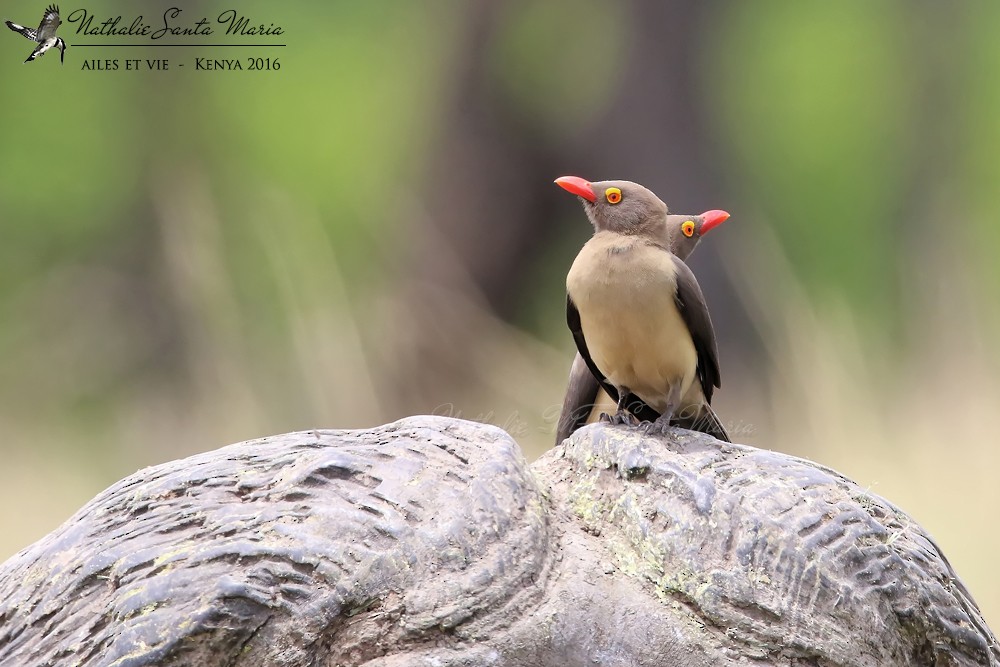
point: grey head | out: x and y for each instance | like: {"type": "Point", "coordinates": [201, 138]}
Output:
{"type": "Point", "coordinates": [618, 206]}
{"type": "Point", "coordinates": [685, 231]}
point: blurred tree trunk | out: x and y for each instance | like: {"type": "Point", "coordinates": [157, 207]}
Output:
{"type": "Point", "coordinates": [496, 223]}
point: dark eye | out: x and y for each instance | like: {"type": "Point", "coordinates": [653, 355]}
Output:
{"type": "Point", "coordinates": [613, 195]}
{"type": "Point", "coordinates": [688, 228]}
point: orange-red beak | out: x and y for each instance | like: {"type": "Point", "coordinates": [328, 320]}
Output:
{"type": "Point", "coordinates": [712, 219]}
{"type": "Point", "coordinates": [578, 186]}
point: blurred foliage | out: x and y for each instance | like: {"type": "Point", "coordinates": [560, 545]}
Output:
{"type": "Point", "coordinates": [829, 95]}
{"type": "Point", "coordinates": [976, 133]}
{"type": "Point", "coordinates": [559, 74]}
{"type": "Point", "coordinates": [194, 258]}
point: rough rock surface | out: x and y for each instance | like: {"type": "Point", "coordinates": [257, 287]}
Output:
{"type": "Point", "coordinates": [430, 541]}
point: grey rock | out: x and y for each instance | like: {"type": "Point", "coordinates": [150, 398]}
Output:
{"type": "Point", "coordinates": [430, 541]}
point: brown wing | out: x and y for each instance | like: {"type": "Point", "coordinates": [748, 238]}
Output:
{"type": "Point", "coordinates": [581, 394]}
{"type": "Point", "coordinates": [694, 311]}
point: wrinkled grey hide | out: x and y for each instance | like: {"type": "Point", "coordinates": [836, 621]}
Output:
{"type": "Point", "coordinates": [431, 541]}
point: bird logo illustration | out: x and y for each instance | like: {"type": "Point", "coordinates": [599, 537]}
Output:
{"type": "Point", "coordinates": [45, 35]}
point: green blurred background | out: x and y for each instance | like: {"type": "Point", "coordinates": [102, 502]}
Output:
{"type": "Point", "coordinates": [190, 259]}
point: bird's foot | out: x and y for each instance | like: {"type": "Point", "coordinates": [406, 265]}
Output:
{"type": "Point", "coordinates": [623, 418]}
{"type": "Point", "coordinates": [604, 418]}
{"type": "Point", "coordinates": [659, 427]}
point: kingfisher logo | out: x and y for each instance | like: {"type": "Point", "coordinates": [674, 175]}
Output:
{"type": "Point", "coordinates": [44, 36]}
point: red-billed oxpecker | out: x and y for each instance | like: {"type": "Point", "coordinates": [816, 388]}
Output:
{"type": "Point", "coordinates": [637, 314]}
{"type": "Point", "coordinates": [585, 401]}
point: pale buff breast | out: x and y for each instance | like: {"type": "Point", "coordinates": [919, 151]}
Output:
{"type": "Point", "coordinates": [624, 291]}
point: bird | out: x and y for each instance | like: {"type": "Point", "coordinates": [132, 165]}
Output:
{"type": "Point", "coordinates": [45, 35]}
{"type": "Point", "coordinates": [637, 314]}
{"type": "Point", "coordinates": [584, 401]}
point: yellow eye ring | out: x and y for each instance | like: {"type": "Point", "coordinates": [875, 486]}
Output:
{"type": "Point", "coordinates": [688, 228]}
{"type": "Point", "coordinates": [613, 195]}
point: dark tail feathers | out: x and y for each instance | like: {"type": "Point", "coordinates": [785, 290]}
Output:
{"type": "Point", "coordinates": [706, 421]}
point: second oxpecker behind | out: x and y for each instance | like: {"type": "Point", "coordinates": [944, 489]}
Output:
{"type": "Point", "coordinates": [636, 312]}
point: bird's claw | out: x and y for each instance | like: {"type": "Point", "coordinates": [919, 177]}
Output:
{"type": "Point", "coordinates": [624, 418]}
{"type": "Point", "coordinates": [656, 428]}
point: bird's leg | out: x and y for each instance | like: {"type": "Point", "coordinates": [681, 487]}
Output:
{"type": "Point", "coordinates": [662, 423]}
{"type": "Point", "coordinates": [623, 416]}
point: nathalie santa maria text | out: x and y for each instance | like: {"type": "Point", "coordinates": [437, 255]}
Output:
{"type": "Point", "coordinates": [230, 22]}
